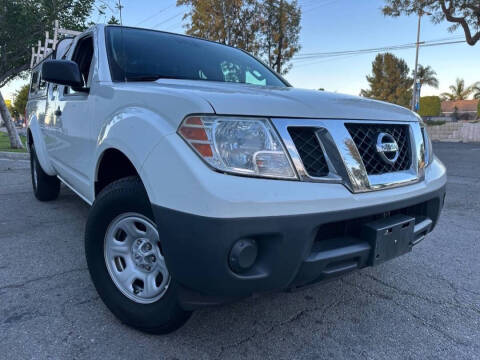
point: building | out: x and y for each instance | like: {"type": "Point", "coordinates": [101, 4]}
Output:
{"type": "Point", "coordinates": [460, 109]}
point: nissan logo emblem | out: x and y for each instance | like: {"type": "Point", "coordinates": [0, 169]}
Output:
{"type": "Point", "coordinates": [387, 148]}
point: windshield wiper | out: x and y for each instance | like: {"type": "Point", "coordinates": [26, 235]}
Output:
{"type": "Point", "coordinates": [152, 77]}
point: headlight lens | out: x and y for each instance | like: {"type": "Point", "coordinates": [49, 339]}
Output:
{"type": "Point", "coordinates": [247, 146]}
{"type": "Point", "coordinates": [428, 147]}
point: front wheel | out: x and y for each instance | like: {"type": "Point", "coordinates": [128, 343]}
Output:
{"type": "Point", "coordinates": [126, 261]}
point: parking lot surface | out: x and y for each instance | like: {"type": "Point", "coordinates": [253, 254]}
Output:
{"type": "Point", "coordinates": [423, 305]}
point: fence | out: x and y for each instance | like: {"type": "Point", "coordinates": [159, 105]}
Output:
{"type": "Point", "coordinates": [455, 132]}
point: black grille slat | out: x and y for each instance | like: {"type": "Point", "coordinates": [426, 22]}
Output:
{"type": "Point", "coordinates": [365, 135]}
{"type": "Point", "coordinates": [309, 150]}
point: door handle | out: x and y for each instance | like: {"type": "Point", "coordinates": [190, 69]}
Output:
{"type": "Point", "coordinates": [58, 112]}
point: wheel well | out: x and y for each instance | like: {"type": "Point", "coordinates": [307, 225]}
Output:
{"type": "Point", "coordinates": [113, 166]}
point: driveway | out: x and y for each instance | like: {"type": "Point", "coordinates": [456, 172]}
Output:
{"type": "Point", "coordinates": [424, 305]}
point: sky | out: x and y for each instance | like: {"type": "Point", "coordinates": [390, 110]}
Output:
{"type": "Point", "coordinates": [335, 25]}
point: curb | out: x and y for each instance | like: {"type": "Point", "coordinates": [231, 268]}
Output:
{"type": "Point", "coordinates": [14, 155]}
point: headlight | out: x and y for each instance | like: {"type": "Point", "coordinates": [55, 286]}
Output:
{"type": "Point", "coordinates": [428, 147]}
{"type": "Point", "coordinates": [247, 146]}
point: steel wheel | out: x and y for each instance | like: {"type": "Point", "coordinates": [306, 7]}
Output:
{"type": "Point", "coordinates": [134, 258]}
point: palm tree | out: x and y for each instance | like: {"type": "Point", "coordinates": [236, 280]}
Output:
{"type": "Point", "coordinates": [476, 90]}
{"type": "Point", "coordinates": [427, 76]}
{"type": "Point", "coordinates": [459, 91]}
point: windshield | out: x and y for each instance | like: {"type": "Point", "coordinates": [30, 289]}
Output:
{"type": "Point", "coordinates": [146, 55]}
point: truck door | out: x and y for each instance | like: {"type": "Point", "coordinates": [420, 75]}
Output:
{"type": "Point", "coordinates": [73, 118]}
{"type": "Point", "coordinates": [37, 100]}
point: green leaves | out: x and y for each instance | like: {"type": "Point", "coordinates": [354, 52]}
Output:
{"type": "Point", "coordinates": [20, 99]}
{"type": "Point", "coordinates": [426, 76]}
{"type": "Point", "coordinates": [24, 22]}
{"type": "Point", "coordinates": [460, 91]}
{"type": "Point", "coordinates": [430, 106]}
{"type": "Point", "coordinates": [389, 80]}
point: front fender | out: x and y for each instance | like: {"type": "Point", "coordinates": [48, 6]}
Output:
{"type": "Point", "coordinates": [40, 148]}
{"type": "Point", "coordinates": [134, 131]}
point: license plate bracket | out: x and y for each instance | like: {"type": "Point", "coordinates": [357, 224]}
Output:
{"type": "Point", "coordinates": [389, 237]}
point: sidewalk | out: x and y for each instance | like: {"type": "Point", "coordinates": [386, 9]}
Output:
{"type": "Point", "coordinates": [14, 155]}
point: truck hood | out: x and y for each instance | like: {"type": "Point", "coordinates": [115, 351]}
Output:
{"type": "Point", "coordinates": [251, 100]}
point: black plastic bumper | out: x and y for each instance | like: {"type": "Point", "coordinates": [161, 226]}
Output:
{"type": "Point", "coordinates": [292, 250]}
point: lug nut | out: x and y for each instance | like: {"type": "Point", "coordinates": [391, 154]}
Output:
{"type": "Point", "coordinates": [152, 258]}
{"type": "Point", "coordinates": [147, 268]}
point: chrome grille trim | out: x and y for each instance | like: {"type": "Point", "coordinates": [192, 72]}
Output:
{"type": "Point", "coordinates": [343, 158]}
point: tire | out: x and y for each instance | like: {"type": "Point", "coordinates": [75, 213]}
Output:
{"type": "Point", "coordinates": [45, 187]}
{"type": "Point", "coordinates": [116, 205]}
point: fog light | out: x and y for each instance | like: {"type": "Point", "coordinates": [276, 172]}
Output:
{"type": "Point", "coordinates": [243, 255]}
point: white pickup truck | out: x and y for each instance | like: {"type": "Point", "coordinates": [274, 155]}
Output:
{"type": "Point", "coordinates": [210, 178]}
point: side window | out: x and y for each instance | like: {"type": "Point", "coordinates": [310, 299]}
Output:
{"type": "Point", "coordinates": [42, 87]}
{"type": "Point", "coordinates": [83, 55]}
{"type": "Point", "coordinates": [34, 82]}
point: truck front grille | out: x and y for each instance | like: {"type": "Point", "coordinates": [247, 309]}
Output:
{"type": "Point", "coordinates": [362, 155]}
{"type": "Point", "coordinates": [364, 136]}
{"type": "Point", "coordinates": [310, 151]}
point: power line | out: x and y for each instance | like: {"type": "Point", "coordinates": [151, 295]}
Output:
{"type": "Point", "coordinates": [316, 5]}
{"type": "Point", "coordinates": [153, 15]}
{"type": "Point", "coordinates": [348, 54]}
{"type": "Point", "coordinates": [174, 26]}
{"type": "Point", "coordinates": [317, 55]}
{"type": "Point", "coordinates": [167, 20]}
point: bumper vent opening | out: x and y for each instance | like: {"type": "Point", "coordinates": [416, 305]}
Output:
{"type": "Point", "coordinates": [310, 151]}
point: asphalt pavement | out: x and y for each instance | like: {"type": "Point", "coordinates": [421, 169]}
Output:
{"type": "Point", "coordinates": [423, 305]}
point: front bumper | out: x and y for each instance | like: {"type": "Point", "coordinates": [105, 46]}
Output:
{"type": "Point", "coordinates": [293, 250]}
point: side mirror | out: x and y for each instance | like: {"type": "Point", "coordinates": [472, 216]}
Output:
{"type": "Point", "coordinates": [62, 72]}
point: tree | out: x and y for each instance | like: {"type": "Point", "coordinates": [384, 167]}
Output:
{"type": "Point", "coordinates": [476, 91]}
{"type": "Point", "coordinates": [113, 21]}
{"type": "Point", "coordinates": [10, 108]}
{"type": "Point", "coordinates": [22, 24]}
{"type": "Point", "coordinates": [389, 80]}
{"type": "Point", "coordinates": [461, 13]}
{"type": "Point", "coordinates": [280, 32]}
{"type": "Point", "coordinates": [459, 91]}
{"type": "Point", "coordinates": [234, 22]}
{"type": "Point", "coordinates": [426, 76]}
{"type": "Point", "coordinates": [268, 28]}
{"type": "Point", "coordinates": [20, 100]}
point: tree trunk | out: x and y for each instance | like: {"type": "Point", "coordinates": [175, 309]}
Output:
{"type": "Point", "coordinates": [15, 142]}
{"type": "Point", "coordinates": [280, 40]}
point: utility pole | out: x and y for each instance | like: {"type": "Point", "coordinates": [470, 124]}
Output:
{"type": "Point", "coordinates": [119, 6]}
{"type": "Point", "coordinates": [414, 93]}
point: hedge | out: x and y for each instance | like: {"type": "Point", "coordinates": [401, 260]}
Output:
{"type": "Point", "coordinates": [478, 109]}
{"type": "Point", "coordinates": [430, 106]}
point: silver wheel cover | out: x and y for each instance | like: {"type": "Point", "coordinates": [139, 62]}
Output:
{"type": "Point", "coordinates": [134, 259]}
